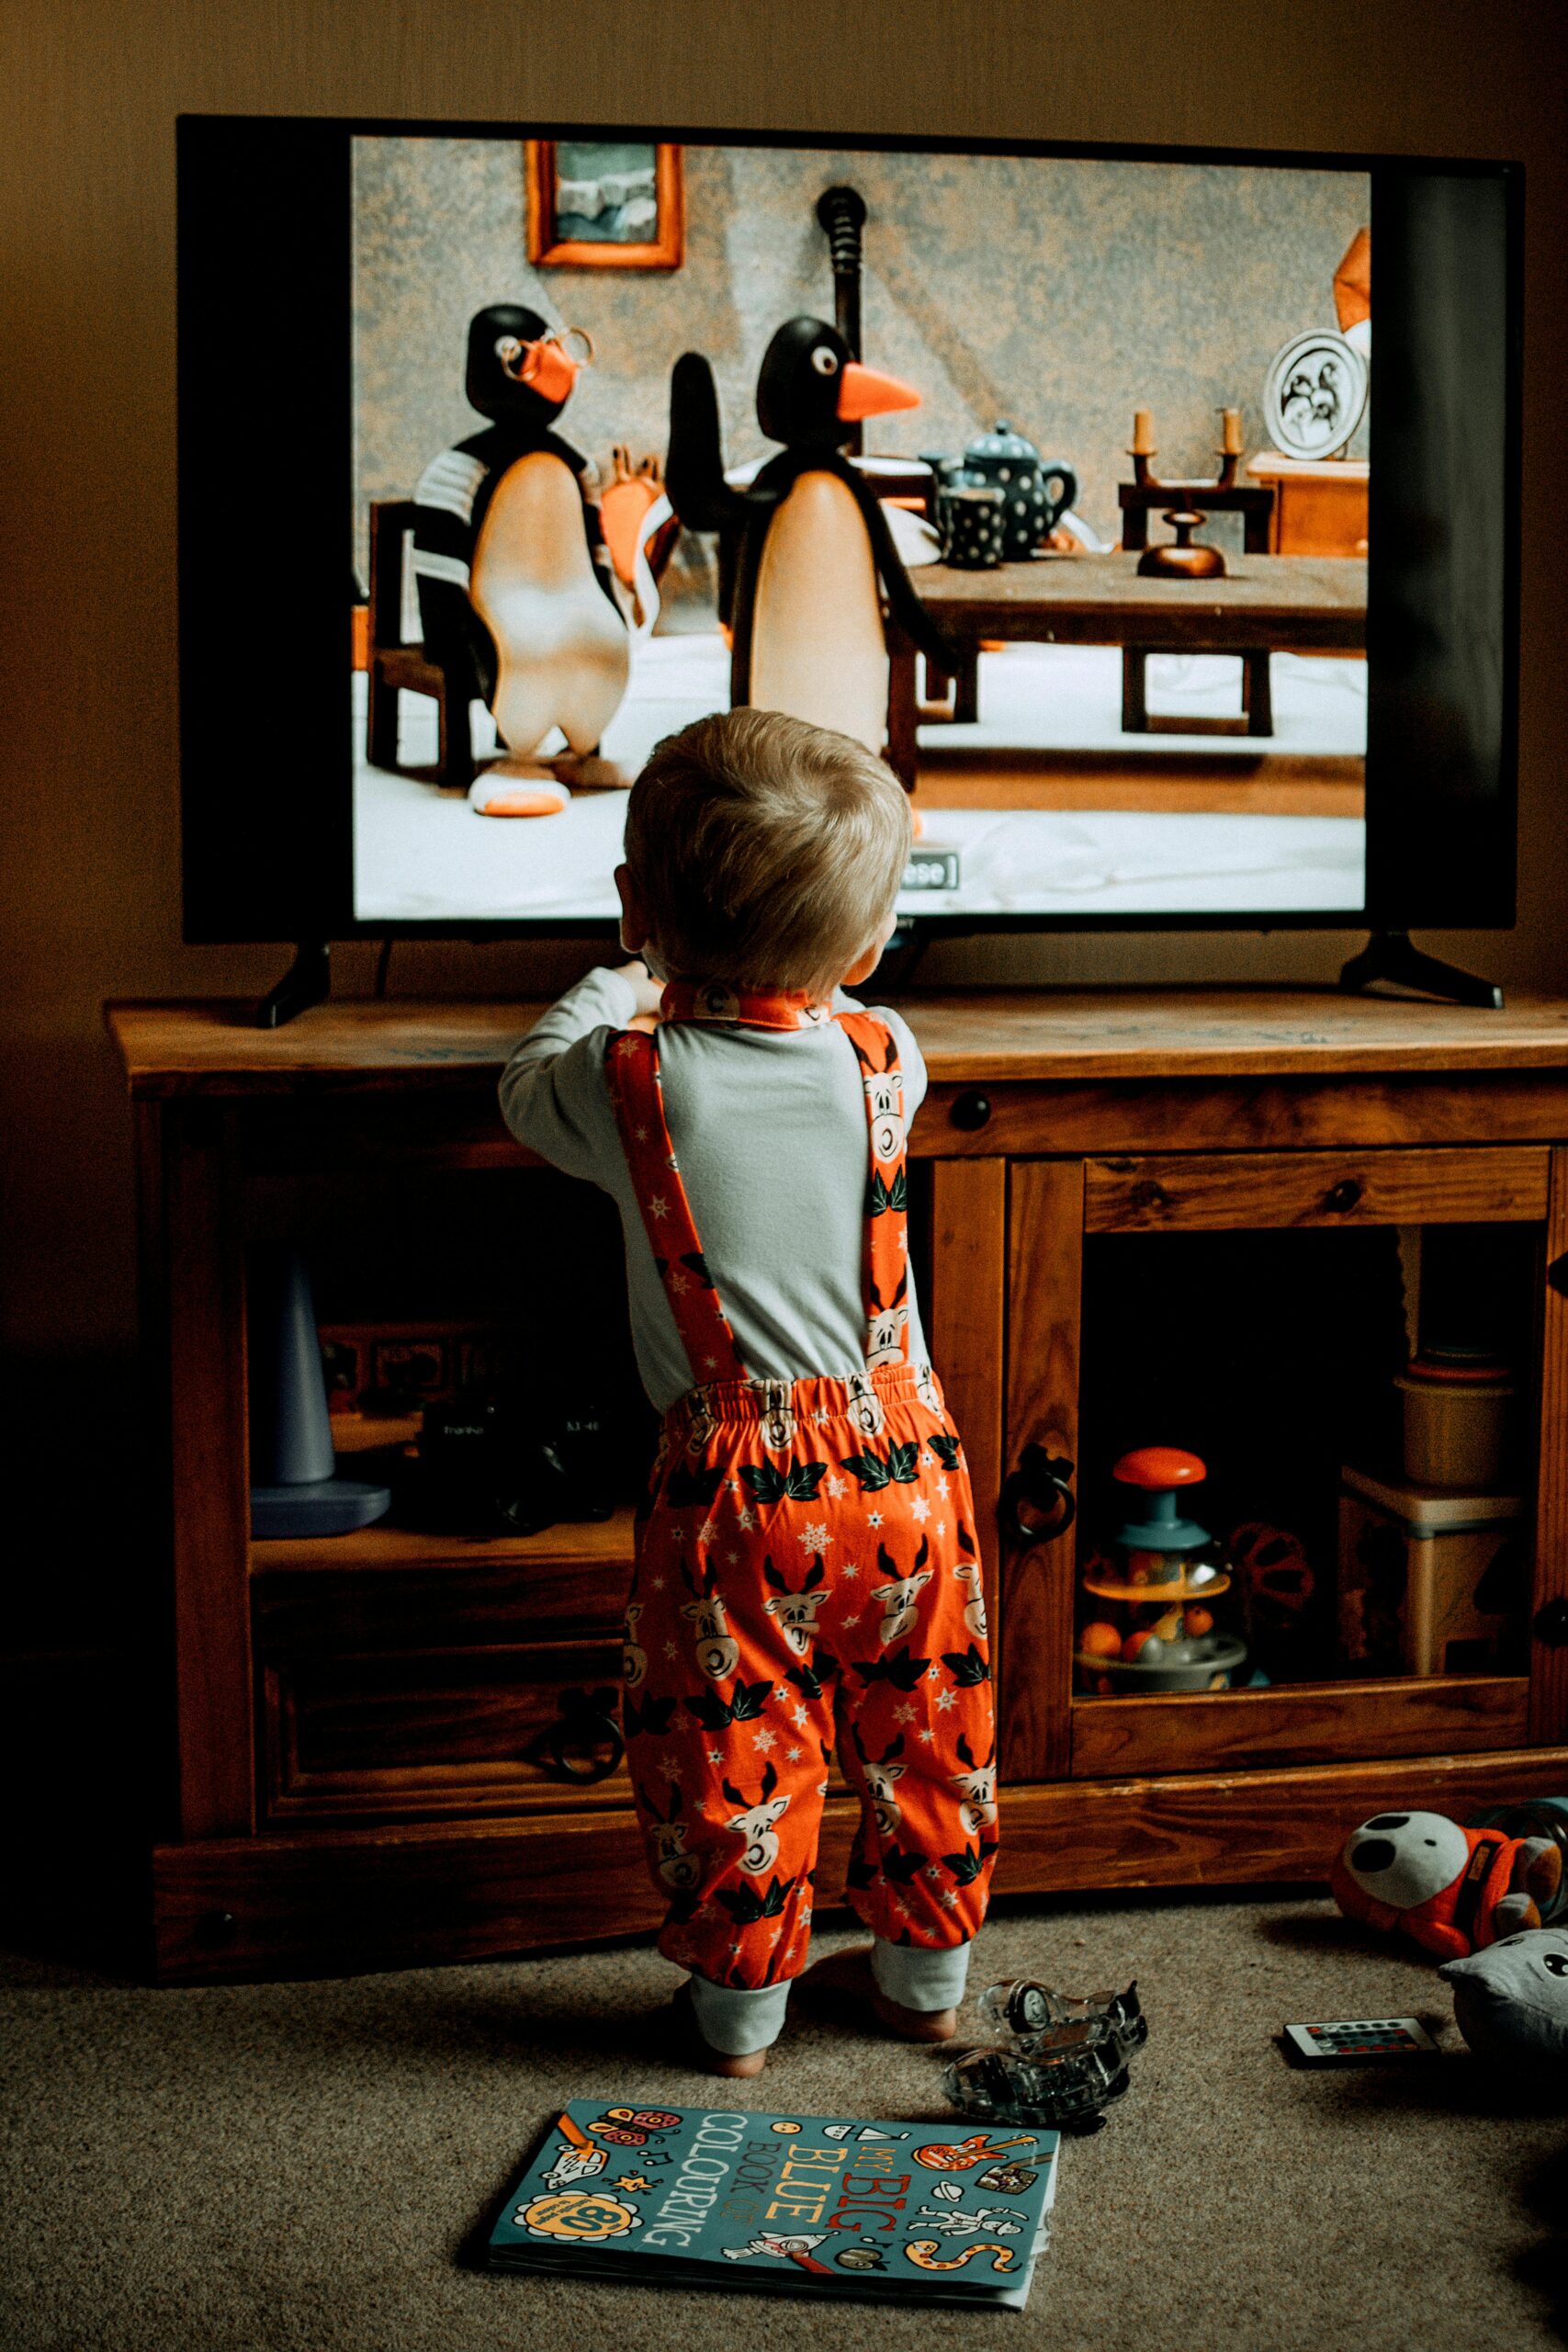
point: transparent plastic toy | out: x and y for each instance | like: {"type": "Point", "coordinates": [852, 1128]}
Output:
{"type": "Point", "coordinates": [1023, 2007]}
{"type": "Point", "coordinates": [1064, 2071]}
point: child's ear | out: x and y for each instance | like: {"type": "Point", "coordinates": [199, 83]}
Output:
{"type": "Point", "coordinates": [863, 965]}
{"type": "Point", "coordinates": [634, 929]}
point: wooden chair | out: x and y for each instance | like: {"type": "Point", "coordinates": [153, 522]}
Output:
{"type": "Point", "coordinates": [396, 668]}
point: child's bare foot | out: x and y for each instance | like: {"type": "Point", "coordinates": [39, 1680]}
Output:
{"type": "Point", "coordinates": [734, 2068]}
{"type": "Point", "coordinates": [844, 1981]}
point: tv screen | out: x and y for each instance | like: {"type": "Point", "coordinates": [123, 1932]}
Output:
{"type": "Point", "coordinates": [1069, 483]}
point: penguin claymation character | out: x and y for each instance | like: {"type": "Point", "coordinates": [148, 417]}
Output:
{"type": "Point", "coordinates": [814, 543]}
{"type": "Point", "coordinates": [515, 596]}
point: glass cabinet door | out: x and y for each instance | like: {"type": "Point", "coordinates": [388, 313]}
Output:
{"type": "Point", "coordinates": [1303, 1396]}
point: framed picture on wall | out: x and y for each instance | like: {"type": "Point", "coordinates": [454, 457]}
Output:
{"type": "Point", "coordinates": [604, 204]}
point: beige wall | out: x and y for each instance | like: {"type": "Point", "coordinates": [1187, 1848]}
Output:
{"type": "Point", "coordinates": [88, 776]}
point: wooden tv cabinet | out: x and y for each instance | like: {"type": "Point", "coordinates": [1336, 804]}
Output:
{"type": "Point", "coordinates": [352, 1719]}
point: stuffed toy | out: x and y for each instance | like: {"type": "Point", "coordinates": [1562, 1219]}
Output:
{"type": "Point", "coordinates": [1455, 1891]}
{"type": "Point", "coordinates": [1511, 2000]}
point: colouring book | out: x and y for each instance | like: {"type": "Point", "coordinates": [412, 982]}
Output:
{"type": "Point", "coordinates": [811, 2204]}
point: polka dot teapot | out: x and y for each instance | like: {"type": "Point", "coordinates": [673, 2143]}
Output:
{"type": "Point", "coordinates": [1036, 491]}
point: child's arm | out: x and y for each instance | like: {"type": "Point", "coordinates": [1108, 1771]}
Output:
{"type": "Point", "coordinates": [911, 1061]}
{"type": "Point", "coordinates": [553, 1095]}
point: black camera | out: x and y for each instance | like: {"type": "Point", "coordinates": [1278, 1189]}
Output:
{"type": "Point", "coordinates": [499, 1466]}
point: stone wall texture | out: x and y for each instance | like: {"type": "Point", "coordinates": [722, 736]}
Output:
{"type": "Point", "coordinates": [1061, 294]}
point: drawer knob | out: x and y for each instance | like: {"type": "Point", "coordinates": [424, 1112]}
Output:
{"type": "Point", "coordinates": [583, 1743]}
{"type": "Point", "coordinates": [1037, 1503]}
{"type": "Point", "coordinates": [972, 1110]}
{"type": "Point", "coordinates": [1341, 1198]}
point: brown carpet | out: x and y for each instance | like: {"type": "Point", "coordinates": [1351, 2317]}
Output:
{"type": "Point", "coordinates": [308, 2166]}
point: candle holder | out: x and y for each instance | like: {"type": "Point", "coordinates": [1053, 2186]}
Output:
{"type": "Point", "coordinates": [1182, 560]}
{"type": "Point", "coordinates": [1147, 493]}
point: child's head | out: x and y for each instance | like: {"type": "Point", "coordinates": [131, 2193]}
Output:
{"type": "Point", "coordinates": [761, 851]}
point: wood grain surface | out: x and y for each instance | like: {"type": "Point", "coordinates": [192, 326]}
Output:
{"type": "Point", "coordinates": [586, 1544]}
{"type": "Point", "coordinates": [324, 1902]}
{"type": "Point", "coordinates": [1307, 602]}
{"type": "Point", "coordinates": [1549, 1659]}
{"type": "Point", "coordinates": [1314, 1724]}
{"type": "Point", "coordinates": [1044, 1299]}
{"type": "Point", "coordinates": [965, 1327]}
{"type": "Point", "coordinates": [204, 1368]}
{"type": "Point", "coordinates": [357, 1044]}
{"type": "Point", "coordinates": [1199, 1192]}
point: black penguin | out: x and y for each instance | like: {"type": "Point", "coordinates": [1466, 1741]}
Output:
{"type": "Point", "coordinates": [812, 542]}
{"type": "Point", "coordinates": [516, 595]}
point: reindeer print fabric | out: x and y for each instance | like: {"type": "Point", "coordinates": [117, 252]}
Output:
{"type": "Point", "coordinates": [807, 1582]}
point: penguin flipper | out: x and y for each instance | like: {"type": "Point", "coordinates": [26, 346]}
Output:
{"type": "Point", "coordinates": [903, 604]}
{"type": "Point", "coordinates": [693, 468]}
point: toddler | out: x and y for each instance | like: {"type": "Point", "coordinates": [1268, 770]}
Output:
{"type": "Point", "coordinates": [806, 1570]}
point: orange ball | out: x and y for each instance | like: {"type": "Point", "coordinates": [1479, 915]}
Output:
{"type": "Point", "coordinates": [1101, 1640]}
{"type": "Point", "coordinates": [1199, 1620]}
{"type": "Point", "coordinates": [1134, 1642]}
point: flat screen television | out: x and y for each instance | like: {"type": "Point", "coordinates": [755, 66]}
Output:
{"type": "Point", "coordinates": [1067, 478]}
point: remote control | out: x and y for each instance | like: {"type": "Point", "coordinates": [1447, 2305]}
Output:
{"type": "Point", "coordinates": [1355, 2041]}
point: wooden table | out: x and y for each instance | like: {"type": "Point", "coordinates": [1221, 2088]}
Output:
{"type": "Point", "coordinates": [352, 1722]}
{"type": "Point", "coordinates": [1288, 604]}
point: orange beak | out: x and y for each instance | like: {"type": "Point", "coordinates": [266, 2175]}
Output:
{"type": "Point", "coordinates": [546, 370]}
{"type": "Point", "coordinates": [866, 392]}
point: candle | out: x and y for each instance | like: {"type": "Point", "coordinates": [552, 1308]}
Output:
{"type": "Point", "coordinates": [1231, 444]}
{"type": "Point", "coordinates": [1143, 433]}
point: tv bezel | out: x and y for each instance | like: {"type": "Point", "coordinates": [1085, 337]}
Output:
{"type": "Point", "coordinates": [268, 845]}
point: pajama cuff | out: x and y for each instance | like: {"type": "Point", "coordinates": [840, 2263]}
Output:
{"type": "Point", "coordinates": [736, 2019]}
{"type": "Point", "coordinates": [917, 1977]}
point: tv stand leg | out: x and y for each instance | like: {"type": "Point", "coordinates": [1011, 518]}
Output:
{"type": "Point", "coordinates": [1389, 955]}
{"type": "Point", "coordinates": [307, 982]}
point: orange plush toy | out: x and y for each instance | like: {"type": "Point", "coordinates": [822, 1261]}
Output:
{"type": "Point", "coordinates": [1454, 1889]}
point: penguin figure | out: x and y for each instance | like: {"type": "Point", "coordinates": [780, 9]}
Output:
{"type": "Point", "coordinates": [814, 543]}
{"type": "Point", "coordinates": [515, 596]}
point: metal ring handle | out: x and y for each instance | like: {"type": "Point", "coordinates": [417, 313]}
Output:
{"type": "Point", "coordinates": [588, 1721]}
{"type": "Point", "coordinates": [1037, 1503]}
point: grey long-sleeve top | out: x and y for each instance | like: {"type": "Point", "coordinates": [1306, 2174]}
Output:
{"type": "Point", "coordinates": [770, 1130]}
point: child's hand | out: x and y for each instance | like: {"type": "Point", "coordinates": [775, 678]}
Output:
{"type": "Point", "coordinates": [650, 993]}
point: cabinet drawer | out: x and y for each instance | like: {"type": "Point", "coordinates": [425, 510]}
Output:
{"type": "Point", "coordinates": [505, 1727]}
{"type": "Point", "coordinates": [438, 1603]}
{"type": "Point", "coordinates": [1170, 1192]}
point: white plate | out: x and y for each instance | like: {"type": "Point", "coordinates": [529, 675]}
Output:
{"type": "Point", "coordinates": [1316, 395]}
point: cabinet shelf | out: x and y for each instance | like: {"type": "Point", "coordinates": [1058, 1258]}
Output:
{"type": "Point", "coordinates": [596, 1543]}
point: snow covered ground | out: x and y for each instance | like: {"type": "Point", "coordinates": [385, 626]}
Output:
{"type": "Point", "coordinates": [422, 856]}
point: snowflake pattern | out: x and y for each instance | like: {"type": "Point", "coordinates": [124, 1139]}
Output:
{"type": "Point", "coordinates": [749, 1697]}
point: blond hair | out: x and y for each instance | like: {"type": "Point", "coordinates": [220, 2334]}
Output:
{"type": "Point", "coordinates": [766, 852]}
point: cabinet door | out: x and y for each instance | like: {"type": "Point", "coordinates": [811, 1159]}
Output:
{"type": "Point", "coordinates": [1265, 1300]}
{"type": "Point", "coordinates": [1044, 1287]}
